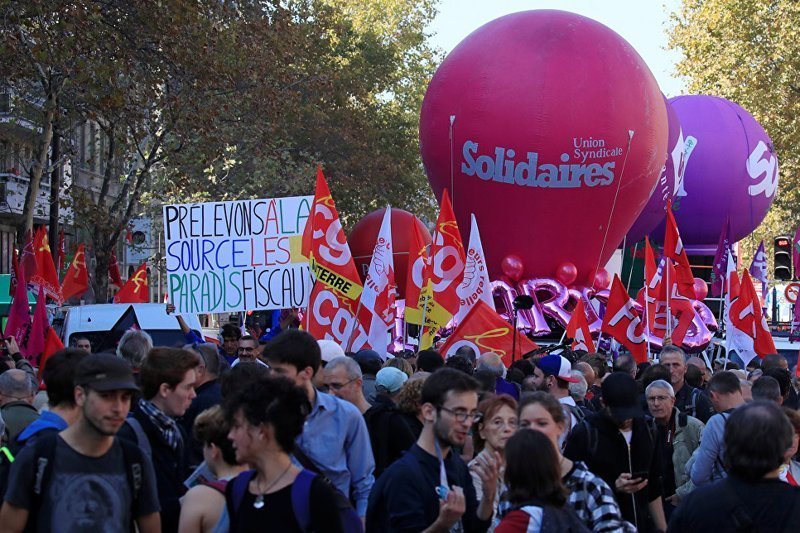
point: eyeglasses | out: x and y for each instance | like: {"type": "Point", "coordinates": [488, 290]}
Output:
{"type": "Point", "coordinates": [658, 399]}
{"type": "Point", "coordinates": [338, 386]}
{"type": "Point", "coordinates": [463, 416]}
{"type": "Point", "coordinates": [499, 423]}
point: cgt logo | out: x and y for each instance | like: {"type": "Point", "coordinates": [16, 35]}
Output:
{"type": "Point", "coordinates": [762, 165]}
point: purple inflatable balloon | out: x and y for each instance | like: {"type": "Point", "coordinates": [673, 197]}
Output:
{"type": "Point", "coordinates": [731, 171]}
{"type": "Point", "coordinates": [671, 176]}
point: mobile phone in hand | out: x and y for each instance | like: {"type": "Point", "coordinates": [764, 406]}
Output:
{"type": "Point", "coordinates": [641, 475]}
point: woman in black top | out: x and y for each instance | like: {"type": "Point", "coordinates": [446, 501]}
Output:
{"type": "Point", "coordinates": [266, 418]}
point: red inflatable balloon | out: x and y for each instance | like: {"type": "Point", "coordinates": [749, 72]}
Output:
{"type": "Point", "coordinates": [553, 120]}
{"type": "Point", "coordinates": [512, 267]}
{"type": "Point", "coordinates": [566, 273]}
{"type": "Point", "coordinates": [700, 289]}
{"type": "Point", "coordinates": [365, 233]}
{"type": "Point", "coordinates": [601, 280]}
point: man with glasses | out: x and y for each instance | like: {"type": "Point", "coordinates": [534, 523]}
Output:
{"type": "Point", "coordinates": [342, 378]}
{"type": "Point", "coordinates": [677, 436]}
{"type": "Point", "coordinates": [430, 487]}
{"type": "Point", "coordinates": [248, 351]}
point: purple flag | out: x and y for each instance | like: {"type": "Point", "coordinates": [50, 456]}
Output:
{"type": "Point", "coordinates": [720, 266]}
{"type": "Point", "coordinates": [796, 251]}
{"type": "Point", "coordinates": [794, 333]}
{"type": "Point", "coordinates": [758, 268]}
{"type": "Point", "coordinates": [19, 318]}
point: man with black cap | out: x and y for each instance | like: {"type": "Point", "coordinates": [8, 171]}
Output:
{"type": "Point", "coordinates": [85, 478]}
{"type": "Point", "coordinates": [619, 445]}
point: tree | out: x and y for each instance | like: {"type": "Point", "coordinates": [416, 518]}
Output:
{"type": "Point", "coordinates": [747, 52]}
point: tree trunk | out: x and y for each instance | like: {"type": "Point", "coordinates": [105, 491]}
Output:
{"type": "Point", "coordinates": [102, 255]}
{"type": "Point", "coordinates": [55, 187]}
{"type": "Point", "coordinates": [39, 164]}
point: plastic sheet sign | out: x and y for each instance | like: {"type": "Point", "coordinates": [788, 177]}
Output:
{"type": "Point", "coordinates": [237, 256]}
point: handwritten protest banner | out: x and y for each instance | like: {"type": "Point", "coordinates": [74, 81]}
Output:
{"type": "Point", "coordinates": [237, 256]}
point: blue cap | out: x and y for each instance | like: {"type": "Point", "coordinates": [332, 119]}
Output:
{"type": "Point", "coordinates": [391, 379]}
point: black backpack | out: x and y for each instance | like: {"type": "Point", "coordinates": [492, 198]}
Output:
{"type": "Point", "coordinates": [556, 519]}
{"type": "Point", "coordinates": [44, 455]}
{"type": "Point", "coordinates": [10, 451]}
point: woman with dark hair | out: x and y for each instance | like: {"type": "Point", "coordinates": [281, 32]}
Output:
{"type": "Point", "coordinates": [589, 496]}
{"type": "Point", "coordinates": [790, 472]}
{"type": "Point", "coordinates": [266, 418]}
{"type": "Point", "coordinates": [490, 434]}
{"type": "Point", "coordinates": [535, 491]}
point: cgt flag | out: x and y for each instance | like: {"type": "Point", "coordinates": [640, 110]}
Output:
{"type": "Point", "coordinates": [485, 331]}
{"type": "Point", "coordinates": [747, 318]}
{"type": "Point", "coordinates": [578, 329]}
{"type": "Point", "coordinates": [720, 266]}
{"type": "Point", "coordinates": [438, 299]}
{"type": "Point", "coordinates": [377, 310]}
{"type": "Point", "coordinates": [476, 285]}
{"type": "Point", "coordinates": [334, 299]}
{"type": "Point", "coordinates": [135, 290]}
{"type": "Point", "coordinates": [622, 321]}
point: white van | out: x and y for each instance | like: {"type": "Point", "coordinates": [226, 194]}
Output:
{"type": "Point", "coordinates": [104, 324]}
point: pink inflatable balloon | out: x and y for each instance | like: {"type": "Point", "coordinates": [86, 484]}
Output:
{"type": "Point", "coordinates": [548, 113]}
{"type": "Point", "coordinates": [528, 320]}
{"type": "Point", "coordinates": [700, 289]}
{"type": "Point", "coordinates": [566, 273]}
{"type": "Point", "coordinates": [602, 279]}
{"type": "Point", "coordinates": [512, 267]}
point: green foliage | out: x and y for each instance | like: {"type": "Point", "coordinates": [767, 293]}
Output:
{"type": "Point", "coordinates": [747, 52]}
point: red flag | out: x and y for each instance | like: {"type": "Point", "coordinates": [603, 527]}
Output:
{"type": "Point", "coordinates": [12, 285]}
{"type": "Point", "coordinates": [76, 280]}
{"type": "Point", "coordinates": [415, 274]}
{"type": "Point", "coordinates": [19, 318]}
{"type": "Point", "coordinates": [135, 290]}
{"type": "Point", "coordinates": [113, 271]}
{"type": "Point", "coordinates": [578, 329]}
{"type": "Point", "coordinates": [673, 249]}
{"type": "Point", "coordinates": [439, 297]}
{"type": "Point", "coordinates": [486, 331]}
{"type": "Point", "coordinates": [52, 344]}
{"type": "Point", "coordinates": [62, 253]}
{"type": "Point", "coordinates": [746, 316]}
{"type": "Point", "coordinates": [39, 327]}
{"type": "Point", "coordinates": [27, 257]}
{"type": "Point", "coordinates": [334, 299]}
{"type": "Point", "coordinates": [622, 321]}
{"type": "Point", "coordinates": [46, 275]}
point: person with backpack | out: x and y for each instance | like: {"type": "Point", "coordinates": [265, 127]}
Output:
{"type": "Point", "coordinates": [678, 437]}
{"type": "Point", "coordinates": [536, 494]}
{"type": "Point", "coordinates": [59, 379]}
{"type": "Point", "coordinates": [726, 395]}
{"type": "Point", "coordinates": [167, 378]}
{"type": "Point", "coordinates": [86, 478]}
{"type": "Point", "coordinates": [17, 390]}
{"type": "Point", "coordinates": [203, 504]}
{"type": "Point", "coordinates": [266, 418]}
{"type": "Point", "coordinates": [389, 433]}
{"type": "Point", "coordinates": [688, 399]}
{"type": "Point", "coordinates": [618, 444]}
{"type": "Point", "coordinates": [335, 442]}
{"type": "Point", "coordinates": [589, 496]}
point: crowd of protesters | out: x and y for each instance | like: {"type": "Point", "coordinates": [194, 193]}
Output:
{"type": "Point", "coordinates": [283, 432]}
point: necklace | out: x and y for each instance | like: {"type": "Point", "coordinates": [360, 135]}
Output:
{"type": "Point", "coordinates": [259, 503]}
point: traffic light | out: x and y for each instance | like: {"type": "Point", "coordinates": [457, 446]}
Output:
{"type": "Point", "coordinates": [783, 258]}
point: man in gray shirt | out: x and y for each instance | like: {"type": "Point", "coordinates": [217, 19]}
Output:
{"type": "Point", "coordinates": [84, 478]}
